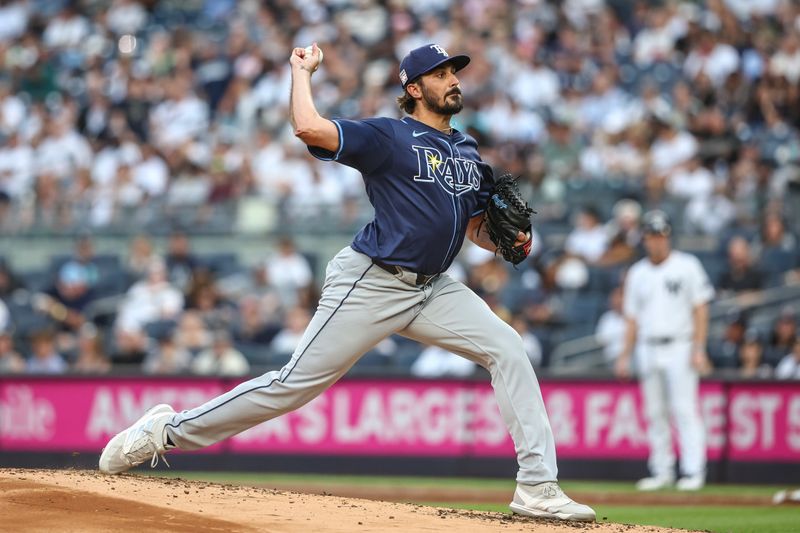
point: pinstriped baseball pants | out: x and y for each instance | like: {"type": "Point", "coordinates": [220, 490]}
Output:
{"type": "Point", "coordinates": [361, 304]}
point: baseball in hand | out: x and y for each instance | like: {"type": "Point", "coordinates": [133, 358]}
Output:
{"type": "Point", "coordinates": [310, 51]}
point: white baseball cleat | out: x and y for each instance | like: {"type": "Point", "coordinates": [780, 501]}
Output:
{"type": "Point", "coordinates": [654, 483]}
{"type": "Point", "coordinates": [691, 483]}
{"type": "Point", "coordinates": [141, 441]}
{"type": "Point", "coordinates": [547, 500]}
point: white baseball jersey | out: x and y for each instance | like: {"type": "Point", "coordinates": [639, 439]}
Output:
{"type": "Point", "coordinates": [660, 298]}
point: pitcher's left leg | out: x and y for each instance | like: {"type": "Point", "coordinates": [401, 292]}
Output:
{"type": "Point", "coordinates": [456, 319]}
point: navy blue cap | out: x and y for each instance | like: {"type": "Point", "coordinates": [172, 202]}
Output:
{"type": "Point", "coordinates": [426, 58]}
{"type": "Point", "coordinates": [656, 222]}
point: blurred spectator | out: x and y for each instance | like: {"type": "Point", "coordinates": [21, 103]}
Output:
{"type": "Point", "coordinates": [713, 213]}
{"type": "Point", "coordinates": [9, 282]}
{"type": "Point", "coordinates": [533, 348]}
{"type": "Point", "coordinates": [435, 362]}
{"type": "Point", "coordinates": [17, 166]}
{"type": "Point", "coordinates": [289, 272]}
{"type": "Point", "coordinates": [588, 240]}
{"type": "Point", "coordinates": [11, 362]}
{"type": "Point", "coordinates": [149, 300]}
{"type": "Point", "coordinates": [204, 297]}
{"type": "Point", "coordinates": [724, 352]}
{"type": "Point", "coordinates": [774, 235]}
{"type": "Point", "coordinates": [751, 357]}
{"type": "Point", "coordinates": [5, 317]}
{"type": "Point", "coordinates": [140, 254]}
{"type": "Point", "coordinates": [181, 263]}
{"type": "Point", "coordinates": [740, 274]}
{"type": "Point", "coordinates": [192, 333]}
{"type": "Point", "coordinates": [44, 358]}
{"type": "Point", "coordinates": [165, 356]}
{"type": "Point", "coordinates": [66, 303]}
{"type": "Point", "coordinates": [288, 338]}
{"type": "Point", "coordinates": [783, 336]}
{"type": "Point", "coordinates": [562, 149]}
{"type": "Point", "coordinates": [789, 366]}
{"type": "Point", "coordinates": [610, 331]}
{"type": "Point", "coordinates": [693, 181]}
{"type": "Point", "coordinates": [91, 358]}
{"type": "Point", "coordinates": [711, 58]}
{"type": "Point", "coordinates": [84, 257]}
{"type": "Point", "coordinates": [672, 147]}
{"type": "Point", "coordinates": [221, 359]}
{"type": "Point", "coordinates": [253, 324]}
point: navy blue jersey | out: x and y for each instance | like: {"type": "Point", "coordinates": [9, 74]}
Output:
{"type": "Point", "coordinates": [424, 184]}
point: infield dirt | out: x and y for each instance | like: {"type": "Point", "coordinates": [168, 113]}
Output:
{"type": "Point", "coordinates": [86, 501]}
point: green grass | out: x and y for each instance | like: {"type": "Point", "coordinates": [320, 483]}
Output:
{"type": "Point", "coordinates": [719, 519]}
{"type": "Point", "coordinates": [409, 481]}
{"type": "Point", "coordinates": [722, 519]}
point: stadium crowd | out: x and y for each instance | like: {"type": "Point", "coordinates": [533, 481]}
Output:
{"type": "Point", "coordinates": [131, 117]}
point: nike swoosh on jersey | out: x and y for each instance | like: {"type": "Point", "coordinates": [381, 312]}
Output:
{"type": "Point", "coordinates": [418, 133]}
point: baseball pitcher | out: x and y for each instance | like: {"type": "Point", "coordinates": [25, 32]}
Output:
{"type": "Point", "coordinates": [430, 189]}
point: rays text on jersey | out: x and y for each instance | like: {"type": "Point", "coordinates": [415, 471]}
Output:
{"type": "Point", "coordinates": [454, 174]}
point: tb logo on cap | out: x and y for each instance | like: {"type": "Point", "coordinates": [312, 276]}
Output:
{"type": "Point", "coordinates": [440, 50]}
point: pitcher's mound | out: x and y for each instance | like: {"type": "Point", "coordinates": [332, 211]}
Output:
{"type": "Point", "coordinates": [84, 501]}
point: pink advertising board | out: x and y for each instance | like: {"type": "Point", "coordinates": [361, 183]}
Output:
{"type": "Point", "coordinates": [592, 420]}
{"type": "Point", "coordinates": [765, 422]}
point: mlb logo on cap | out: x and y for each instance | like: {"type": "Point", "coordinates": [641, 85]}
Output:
{"type": "Point", "coordinates": [426, 58]}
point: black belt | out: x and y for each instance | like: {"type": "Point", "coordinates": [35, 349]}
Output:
{"type": "Point", "coordinates": [422, 279]}
{"type": "Point", "coordinates": [660, 341]}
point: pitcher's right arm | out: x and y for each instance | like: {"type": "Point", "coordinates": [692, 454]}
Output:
{"type": "Point", "coordinates": [309, 126]}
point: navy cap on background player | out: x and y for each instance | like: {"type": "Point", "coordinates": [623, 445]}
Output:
{"type": "Point", "coordinates": [656, 222]}
{"type": "Point", "coordinates": [426, 58]}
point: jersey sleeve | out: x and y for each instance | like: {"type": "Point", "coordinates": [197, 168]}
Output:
{"type": "Point", "coordinates": [485, 190]}
{"type": "Point", "coordinates": [363, 144]}
{"type": "Point", "coordinates": [701, 290]}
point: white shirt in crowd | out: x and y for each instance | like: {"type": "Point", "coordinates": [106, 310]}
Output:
{"type": "Point", "coordinates": [13, 20]}
{"type": "Point", "coordinates": [661, 297]}
{"type": "Point", "coordinates": [177, 121]}
{"type": "Point", "coordinates": [126, 16]}
{"type": "Point", "coordinates": [436, 362]}
{"type": "Point", "coordinates": [666, 154]}
{"type": "Point", "coordinates": [230, 363]}
{"type": "Point", "coordinates": [289, 271]}
{"type": "Point", "coordinates": [12, 114]}
{"type": "Point", "coordinates": [147, 302]}
{"type": "Point", "coordinates": [722, 61]}
{"type": "Point", "coordinates": [16, 170]}
{"type": "Point", "coordinates": [5, 316]}
{"type": "Point", "coordinates": [691, 184]}
{"type": "Point", "coordinates": [610, 333]}
{"type": "Point", "coordinates": [788, 368]}
{"type": "Point", "coordinates": [62, 154]}
{"type": "Point", "coordinates": [152, 175]}
{"type": "Point", "coordinates": [589, 244]}
{"type": "Point", "coordinates": [786, 65]}
{"type": "Point", "coordinates": [64, 32]}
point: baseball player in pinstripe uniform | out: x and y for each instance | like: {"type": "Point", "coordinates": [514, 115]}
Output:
{"type": "Point", "coordinates": [429, 188]}
{"type": "Point", "coordinates": [666, 309]}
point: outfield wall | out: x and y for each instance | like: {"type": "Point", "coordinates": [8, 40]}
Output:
{"type": "Point", "coordinates": [421, 427]}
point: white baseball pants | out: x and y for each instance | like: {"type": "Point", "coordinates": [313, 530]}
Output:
{"type": "Point", "coordinates": [669, 386]}
{"type": "Point", "coordinates": [360, 305]}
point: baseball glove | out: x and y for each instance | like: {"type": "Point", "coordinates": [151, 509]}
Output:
{"type": "Point", "coordinates": [507, 213]}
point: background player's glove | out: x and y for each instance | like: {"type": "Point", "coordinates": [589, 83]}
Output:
{"type": "Point", "coordinates": [507, 213]}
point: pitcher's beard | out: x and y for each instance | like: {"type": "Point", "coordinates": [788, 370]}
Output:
{"type": "Point", "coordinates": [449, 107]}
